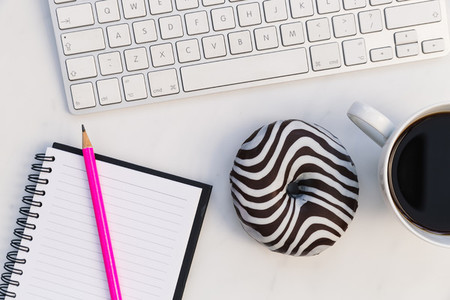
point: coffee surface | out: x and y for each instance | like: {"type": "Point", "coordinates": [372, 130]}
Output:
{"type": "Point", "coordinates": [420, 173]}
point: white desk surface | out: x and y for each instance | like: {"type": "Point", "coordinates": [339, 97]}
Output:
{"type": "Point", "coordinates": [377, 258]}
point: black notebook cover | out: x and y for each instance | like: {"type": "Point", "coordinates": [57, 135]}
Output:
{"type": "Point", "coordinates": [199, 216]}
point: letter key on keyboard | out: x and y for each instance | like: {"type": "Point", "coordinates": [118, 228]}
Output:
{"type": "Point", "coordinates": [121, 53]}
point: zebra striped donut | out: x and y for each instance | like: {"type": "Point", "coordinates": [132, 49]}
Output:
{"type": "Point", "coordinates": [294, 187]}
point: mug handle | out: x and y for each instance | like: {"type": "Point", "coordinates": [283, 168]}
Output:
{"type": "Point", "coordinates": [372, 122]}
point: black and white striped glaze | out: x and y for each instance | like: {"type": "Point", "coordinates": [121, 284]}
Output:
{"type": "Point", "coordinates": [311, 220]}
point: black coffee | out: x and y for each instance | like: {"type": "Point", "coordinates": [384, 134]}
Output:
{"type": "Point", "coordinates": [420, 173]}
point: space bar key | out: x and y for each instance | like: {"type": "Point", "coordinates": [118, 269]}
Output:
{"type": "Point", "coordinates": [244, 69]}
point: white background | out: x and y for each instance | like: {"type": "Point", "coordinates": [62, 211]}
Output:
{"type": "Point", "coordinates": [377, 258]}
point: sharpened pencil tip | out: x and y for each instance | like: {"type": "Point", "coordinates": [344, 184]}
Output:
{"type": "Point", "coordinates": [84, 138]}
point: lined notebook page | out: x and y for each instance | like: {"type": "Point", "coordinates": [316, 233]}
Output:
{"type": "Point", "coordinates": [150, 219]}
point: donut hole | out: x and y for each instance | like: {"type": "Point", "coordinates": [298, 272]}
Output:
{"type": "Point", "coordinates": [297, 188]}
{"type": "Point", "coordinates": [293, 189]}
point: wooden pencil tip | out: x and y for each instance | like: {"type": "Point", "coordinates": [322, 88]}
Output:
{"type": "Point", "coordinates": [86, 143]}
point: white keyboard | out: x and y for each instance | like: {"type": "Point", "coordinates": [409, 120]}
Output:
{"type": "Point", "coordinates": [120, 53]}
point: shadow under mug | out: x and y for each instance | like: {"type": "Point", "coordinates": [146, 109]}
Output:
{"type": "Point", "coordinates": [414, 167]}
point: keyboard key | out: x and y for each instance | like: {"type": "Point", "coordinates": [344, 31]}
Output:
{"type": "Point", "coordinates": [133, 8]}
{"type": "Point", "coordinates": [214, 46]}
{"type": "Point", "coordinates": [413, 14]}
{"type": "Point", "coordinates": [266, 38]}
{"type": "Point", "coordinates": [110, 63]}
{"type": "Point", "coordinates": [63, 1]}
{"type": "Point", "coordinates": [186, 4]}
{"type": "Point", "coordinates": [379, 2]}
{"type": "Point", "coordinates": [171, 27]}
{"type": "Point", "coordinates": [301, 8]}
{"type": "Point", "coordinates": [160, 6]}
{"type": "Point", "coordinates": [188, 51]}
{"type": "Point", "coordinates": [244, 69]}
{"type": "Point", "coordinates": [318, 30]}
{"type": "Point", "coordinates": [197, 23]}
{"type": "Point", "coordinates": [81, 68]}
{"type": "Point", "coordinates": [407, 50]}
{"type": "Point", "coordinates": [431, 46]}
{"type": "Point", "coordinates": [370, 21]}
{"type": "Point", "coordinates": [324, 57]}
{"type": "Point", "coordinates": [145, 31]}
{"type": "Point", "coordinates": [275, 10]}
{"type": "Point", "coordinates": [107, 11]}
{"type": "Point", "coordinates": [240, 42]}
{"type": "Point", "coordinates": [212, 2]}
{"type": "Point", "coordinates": [344, 25]}
{"type": "Point", "coordinates": [352, 4]}
{"type": "Point", "coordinates": [405, 37]}
{"type": "Point", "coordinates": [249, 14]}
{"type": "Point", "coordinates": [83, 41]}
{"type": "Point", "coordinates": [75, 16]}
{"type": "Point", "coordinates": [109, 91]}
{"type": "Point", "coordinates": [82, 95]}
{"type": "Point", "coordinates": [163, 83]}
{"type": "Point", "coordinates": [134, 87]}
{"type": "Point", "coordinates": [380, 54]}
{"type": "Point", "coordinates": [354, 52]}
{"type": "Point", "coordinates": [119, 35]}
{"type": "Point", "coordinates": [292, 34]}
{"type": "Point", "coordinates": [327, 6]}
{"type": "Point", "coordinates": [162, 55]}
{"type": "Point", "coordinates": [223, 18]}
{"type": "Point", "coordinates": [136, 59]}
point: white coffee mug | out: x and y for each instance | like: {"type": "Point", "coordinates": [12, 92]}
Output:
{"type": "Point", "coordinates": [380, 129]}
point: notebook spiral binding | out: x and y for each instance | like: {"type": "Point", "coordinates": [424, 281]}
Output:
{"type": "Point", "coordinates": [13, 263]}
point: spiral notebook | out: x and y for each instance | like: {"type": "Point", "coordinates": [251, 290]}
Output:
{"type": "Point", "coordinates": [154, 218]}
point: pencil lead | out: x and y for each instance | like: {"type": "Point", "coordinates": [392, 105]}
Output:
{"type": "Point", "coordinates": [85, 139]}
{"type": "Point", "coordinates": [82, 128]}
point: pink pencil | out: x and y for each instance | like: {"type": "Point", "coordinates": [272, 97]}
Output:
{"type": "Point", "coordinates": [100, 217]}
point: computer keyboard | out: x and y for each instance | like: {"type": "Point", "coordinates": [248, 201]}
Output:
{"type": "Point", "coordinates": [120, 53]}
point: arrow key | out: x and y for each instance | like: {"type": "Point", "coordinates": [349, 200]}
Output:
{"type": "Point", "coordinates": [380, 54]}
{"type": "Point", "coordinates": [431, 46]}
{"type": "Point", "coordinates": [406, 50]}
{"type": "Point", "coordinates": [405, 37]}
